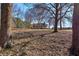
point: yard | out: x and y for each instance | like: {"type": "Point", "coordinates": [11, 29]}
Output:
{"type": "Point", "coordinates": [39, 43]}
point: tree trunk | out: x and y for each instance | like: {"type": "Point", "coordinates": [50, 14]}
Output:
{"type": "Point", "coordinates": [60, 24]}
{"type": "Point", "coordinates": [5, 12]}
{"type": "Point", "coordinates": [75, 37]}
{"type": "Point", "coordinates": [49, 26]}
{"type": "Point", "coordinates": [60, 19]}
{"type": "Point", "coordinates": [55, 26]}
{"type": "Point", "coordinates": [56, 18]}
{"type": "Point", "coordinates": [0, 15]}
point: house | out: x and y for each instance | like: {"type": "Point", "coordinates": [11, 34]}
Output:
{"type": "Point", "coordinates": [39, 26]}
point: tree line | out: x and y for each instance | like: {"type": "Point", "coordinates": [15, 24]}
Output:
{"type": "Point", "coordinates": [52, 13]}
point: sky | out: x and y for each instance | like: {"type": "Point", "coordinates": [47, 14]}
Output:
{"type": "Point", "coordinates": [23, 7]}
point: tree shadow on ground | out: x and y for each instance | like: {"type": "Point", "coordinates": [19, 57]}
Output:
{"type": "Point", "coordinates": [71, 52]}
{"type": "Point", "coordinates": [21, 35]}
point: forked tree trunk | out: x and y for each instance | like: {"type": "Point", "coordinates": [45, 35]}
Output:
{"type": "Point", "coordinates": [5, 13]}
{"type": "Point", "coordinates": [75, 37]}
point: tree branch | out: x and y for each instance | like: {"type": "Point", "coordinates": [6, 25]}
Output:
{"type": "Point", "coordinates": [65, 12]}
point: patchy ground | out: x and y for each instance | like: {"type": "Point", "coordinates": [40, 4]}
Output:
{"type": "Point", "coordinates": [40, 43]}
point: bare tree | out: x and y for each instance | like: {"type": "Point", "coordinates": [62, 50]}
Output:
{"type": "Point", "coordinates": [36, 13]}
{"type": "Point", "coordinates": [57, 10]}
